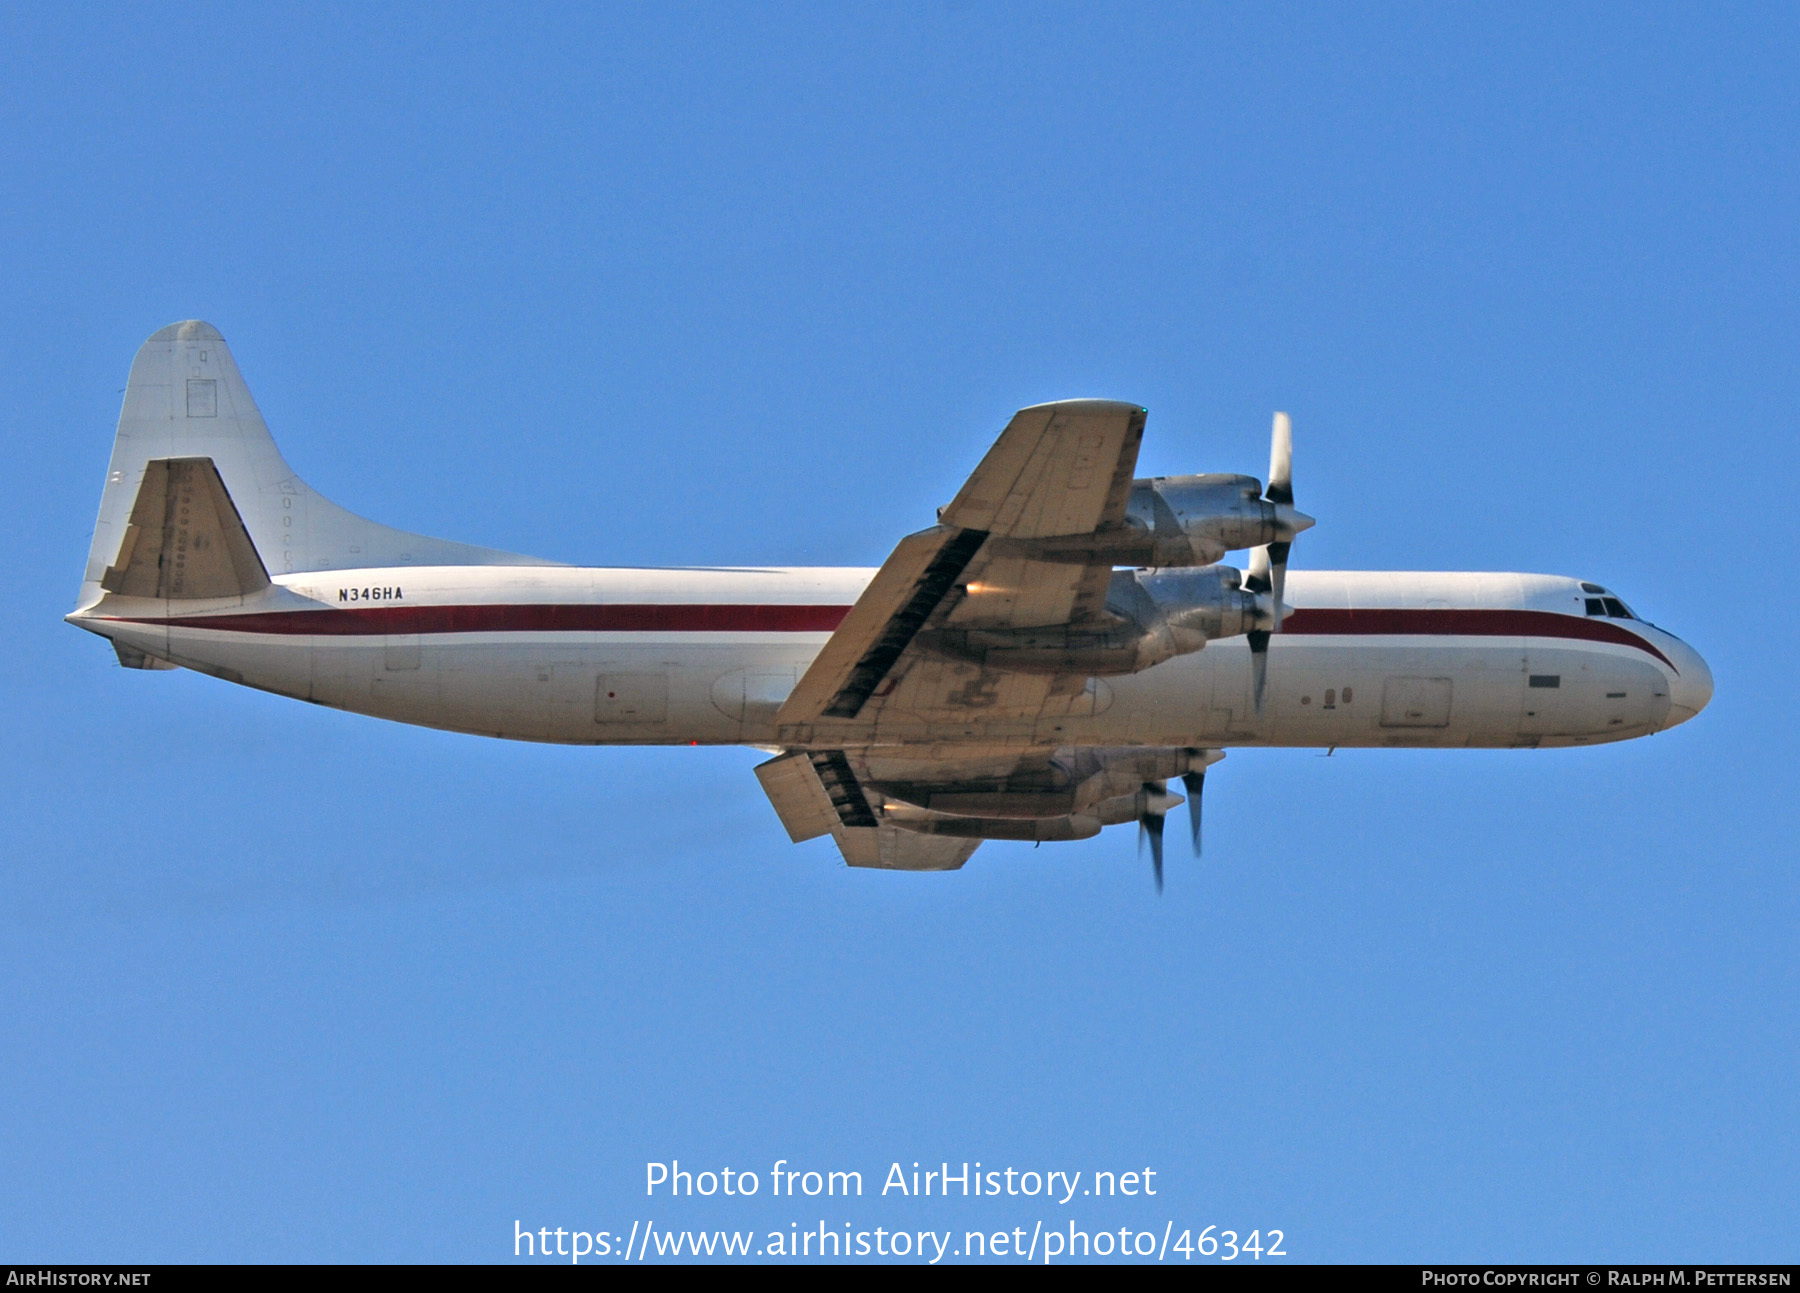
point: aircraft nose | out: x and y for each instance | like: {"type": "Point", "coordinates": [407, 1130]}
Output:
{"type": "Point", "coordinates": [1688, 692]}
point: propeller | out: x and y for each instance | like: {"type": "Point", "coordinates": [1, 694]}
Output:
{"type": "Point", "coordinates": [1268, 564]}
{"type": "Point", "coordinates": [1154, 803]}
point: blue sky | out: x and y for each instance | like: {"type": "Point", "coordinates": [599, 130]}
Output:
{"type": "Point", "coordinates": [759, 285]}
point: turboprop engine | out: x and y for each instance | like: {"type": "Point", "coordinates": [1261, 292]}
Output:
{"type": "Point", "coordinates": [1078, 793]}
{"type": "Point", "coordinates": [1153, 615]}
{"type": "Point", "coordinates": [1185, 521]}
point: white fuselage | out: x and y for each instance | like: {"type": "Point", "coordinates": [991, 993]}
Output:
{"type": "Point", "coordinates": [706, 656]}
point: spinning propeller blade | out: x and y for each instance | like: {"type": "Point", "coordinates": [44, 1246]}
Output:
{"type": "Point", "coordinates": [1194, 783]}
{"type": "Point", "coordinates": [1268, 564]}
{"type": "Point", "coordinates": [1150, 826]}
{"type": "Point", "coordinates": [1154, 803]}
{"type": "Point", "coordinates": [1281, 461]}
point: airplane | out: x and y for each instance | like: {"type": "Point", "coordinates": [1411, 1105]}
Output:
{"type": "Point", "coordinates": [1038, 664]}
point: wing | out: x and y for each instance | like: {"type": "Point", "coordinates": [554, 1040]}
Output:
{"type": "Point", "coordinates": [894, 849]}
{"type": "Point", "coordinates": [817, 793]}
{"type": "Point", "coordinates": [924, 808]}
{"type": "Point", "coordinates": [1057, 470]}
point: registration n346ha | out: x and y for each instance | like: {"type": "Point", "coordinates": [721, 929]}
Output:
{"type": "Point", "coordinates": [1039, 664]}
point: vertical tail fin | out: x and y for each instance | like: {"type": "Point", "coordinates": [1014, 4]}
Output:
{"type": "Point", "coordinates": [186, 399]}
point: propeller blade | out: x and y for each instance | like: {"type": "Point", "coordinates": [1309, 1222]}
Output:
{"type": "Point", "coordinates": [1256, 577]}
{"type": "Point", "coordinates": [1152, 825]}
{"type": "Point", "coordinates": [1154, 803]}
{"type": "Point", "coordinates": [1278, 562]}
{"type": "Point", "coordinates": [1259, 663]}
{"type": "Point", "coordinates": [1280, 491]}
{"type": "Point", "coordinates": [1281, 462]}
{"type": "Point", "coordinates": [1194, 783]}
{"type": "Point", "coordinates": [1268, 565]}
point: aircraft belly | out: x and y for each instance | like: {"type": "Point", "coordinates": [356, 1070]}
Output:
{"type": "Point", "coordinates": [1438, 694]}
{"type": "Point", "coordinates": [1322, 694]}
{"type": "Point", "coordinates": [153, 639]}
{"type": "Point", "coordinates": [1169, 704]}
{"type": "Point", "coordinates": [565, 688]}
{"type": "Point", "coordinates": [1416, 693]}
{"type": "Point", "coordinates": [282, 665]}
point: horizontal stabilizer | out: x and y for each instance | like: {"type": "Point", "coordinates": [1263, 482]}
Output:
{"type": "Point", "coordinates": [185, 540]}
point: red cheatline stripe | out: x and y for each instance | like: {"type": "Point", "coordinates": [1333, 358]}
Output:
{"type": "Point", "coordinates": [737, 617]}
{"type": "Point", "coordinates": [1463, 622]}
{"type": "Point", "coordinates": [704, 617]}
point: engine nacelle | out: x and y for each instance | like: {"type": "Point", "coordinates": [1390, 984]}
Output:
{"type": "Point", "coordinates": [1152, 616]}
{"type": "Point", "coordinates": [1078, 826]}
{"type": "Point", "coordinates": [1207, 603]}
{"type": "Point", "coordinates": [1195, 520]}
{"type": "Point", "coordinates": [1181, 521]}
{"type": "Point", "coordinates": [1083, 781]}
{"type": "Point", "coordinates": [1081, 825]}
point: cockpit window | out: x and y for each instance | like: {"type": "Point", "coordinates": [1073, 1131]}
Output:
{"type": "Point", "coordinates": [1610, 607]}
{"type": "Point", "coordinates": [1592, 588]}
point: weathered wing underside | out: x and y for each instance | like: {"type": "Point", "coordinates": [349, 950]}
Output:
{"type": "Point", "coordinates": [1058, 470]}
{"type": "Point", "coordinates": [831, 792]}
